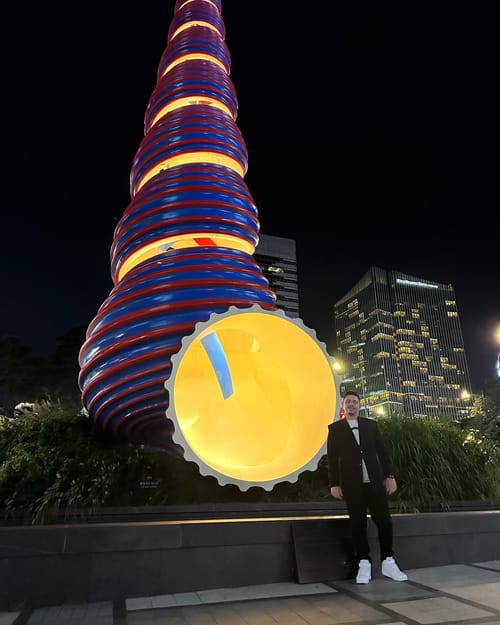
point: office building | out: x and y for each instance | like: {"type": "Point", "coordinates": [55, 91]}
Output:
{"type": "Point", "coordinates": [400, 342]}
{"type": "Point", "coordinates": [277, 258]}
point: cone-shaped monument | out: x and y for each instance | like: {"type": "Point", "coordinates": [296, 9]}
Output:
{"type": "Point", "coordinates": [189, 354]}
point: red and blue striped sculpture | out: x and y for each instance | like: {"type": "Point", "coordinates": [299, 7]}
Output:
{"type": "Point", "coordinates": [188, 353]}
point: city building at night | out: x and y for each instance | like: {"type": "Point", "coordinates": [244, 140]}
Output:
{"type": "Point", "coordinates": [277, 258]}
{"type": "Point", "coordinates": [400, 342]}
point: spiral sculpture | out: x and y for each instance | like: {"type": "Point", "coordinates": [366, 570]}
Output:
{"type": "Point", "coordinates": [189, 354]}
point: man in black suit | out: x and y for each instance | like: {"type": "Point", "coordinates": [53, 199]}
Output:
{"type": "Point", "coordinates": [360, 472]}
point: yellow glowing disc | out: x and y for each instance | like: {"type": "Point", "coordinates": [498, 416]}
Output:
{"type": "Point", "coordinates": [251, 395]}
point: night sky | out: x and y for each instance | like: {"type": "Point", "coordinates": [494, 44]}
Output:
{"type": "Point", "coordinates": [372, 134]}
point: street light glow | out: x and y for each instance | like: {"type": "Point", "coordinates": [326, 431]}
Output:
{"type": "Point", "coordinates": [497, 335]}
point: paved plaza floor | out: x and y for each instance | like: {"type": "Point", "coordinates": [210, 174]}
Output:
{"type": "Point", "coordinates": [462, 594]}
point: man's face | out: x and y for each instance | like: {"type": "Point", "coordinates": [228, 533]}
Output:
{"type": "Point", "coordinates": [351, 405]}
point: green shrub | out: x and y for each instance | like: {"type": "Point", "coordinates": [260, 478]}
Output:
{"type": "Point", "coordinates": [54, 461]}
{"type": "Point", "coordinates": [435, 465]}
{"type": "Point", "coordinates": [57, 463]}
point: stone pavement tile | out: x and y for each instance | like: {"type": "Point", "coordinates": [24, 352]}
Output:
{"type": "Point", "coordinates": [224, 614]}
{"type": "Point", "coordinates": [487, 595]}
{"type": "Point", "coordinates": [222, 595]}
{"type": "Point", "coordinates": [323, 610]}
{"type": "Point", "coordinates": [490, 564]}
{"type": "Point", "coordinates": [290, 589]}
{"type": "Point", "coordinates": [451, 576]}
{"type": "Point", "coordinates": [331, 609]}
{"type": "Point", "coordinates": [280, 612]}
{"type": "Point", "coordinates": [7, 618]}
{"type": "Point", "coordinates": [254, 614]}
{"type": "Point", "coordinates": [163, 601]}
{"type": "Point", "coordinates": [196, 616]}
{"type": "Point", "coordinates": [138, 603]}
{"type": "Point", "coordinates": [381, 588]}
{"type": "Point", "coordinates": [187, 598]}
{"type": "Point", "coordinates": [45, 616]}
{"type": "Point", "coordinates": [262, 591]}
{"type": "Point", "coordinates": [341, 609]}
{"type": "Point", "coordinates": [240, 613]}
{"type": "Point", "coordinates": [437, 610]}
{"type": "Point", "coordinates": [99, 613]}
{"type": "Point", "coordinates": [156, 617]}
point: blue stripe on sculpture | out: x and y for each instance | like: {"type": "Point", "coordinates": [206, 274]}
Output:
{"type": "Point", "coordinates": [153, 307]}
{"type": "Point", "coordinates": [165, 214]}
{"type": "Point", "coordinates": [182, 82]}
{"type": "Point", "coordinates": [155, 236]}
{"type": "Point", "coordinates": [187, 205]}
{"type": "Point", "coordinates": [181, 5]}
{"type": "Point", "coordinates": [209, 43]}
{"type": "Point", "coordinates": [197, 10]}
{"type": "Point", "coordinates": [197, 176]}
{"type": "Point", "coordinates": [217, 357]}
{"type": "Point", "coordinates": [184, 131]}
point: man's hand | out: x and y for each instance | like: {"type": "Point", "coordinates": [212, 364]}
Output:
{"type": "Point", "coordinates": [336, 492]}
{"type": "Point", "coordinates": [390, 485]}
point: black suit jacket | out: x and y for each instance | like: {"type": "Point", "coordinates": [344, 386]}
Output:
{"type": "Point", "coordinates": [345, 456]}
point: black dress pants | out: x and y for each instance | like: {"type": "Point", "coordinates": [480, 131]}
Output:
{"type": "Point", "coordinates": [374, 501]}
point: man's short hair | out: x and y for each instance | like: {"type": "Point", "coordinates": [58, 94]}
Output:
{"type": "Point", "coordinates": [351, 393]}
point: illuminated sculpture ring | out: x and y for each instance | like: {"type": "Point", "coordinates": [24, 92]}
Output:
{"type": "Point", "coordinates": [251, 395]}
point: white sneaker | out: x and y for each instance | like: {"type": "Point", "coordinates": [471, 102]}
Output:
{"type": "Point", "coordinates": [391, 569]}
{"type": "Point", "coordinates": [364, 572]}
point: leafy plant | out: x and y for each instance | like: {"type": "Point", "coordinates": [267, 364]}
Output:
{"type": "Point", "coordinates": [435, 465]}
{"type": "Point", "coordinates": [55, 463]}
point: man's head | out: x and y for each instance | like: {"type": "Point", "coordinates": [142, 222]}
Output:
{"type": "Point", "coordinates": [351, 404]}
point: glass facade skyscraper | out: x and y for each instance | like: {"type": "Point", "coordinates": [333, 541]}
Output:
{"type": "Point", "coordinates": [277, 258]}
{"type": "Point", "coordinates": [400, 341]}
